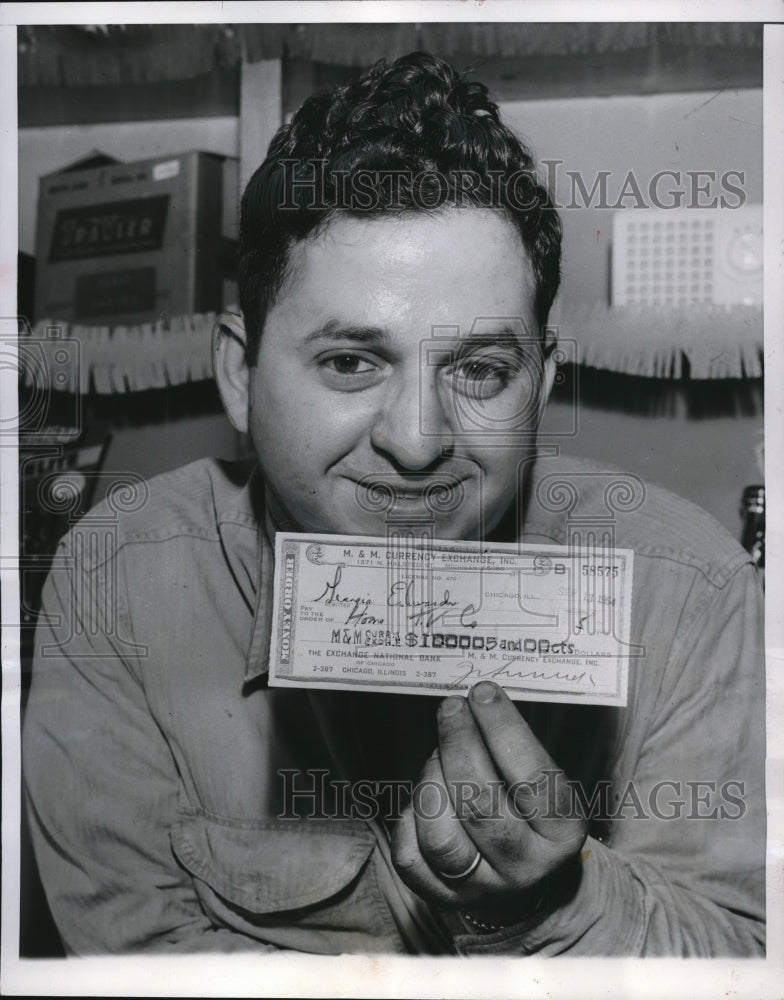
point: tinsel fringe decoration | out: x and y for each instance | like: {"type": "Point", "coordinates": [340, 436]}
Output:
{"type": "Point", "coordinates": [83, 55]}
{"type": "Point", "coordinates": [696, 343]}
{"type": "Point", "coordinates": [71, 357]}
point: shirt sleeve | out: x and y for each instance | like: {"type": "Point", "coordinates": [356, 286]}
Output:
{"type": "Point", "coordinates": [101, 785]}
{"type": "Point", "coordinates": [683, 870]}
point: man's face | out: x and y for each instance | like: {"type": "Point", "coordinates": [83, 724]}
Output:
{"type": "Point", "coordinates": [396, 375]}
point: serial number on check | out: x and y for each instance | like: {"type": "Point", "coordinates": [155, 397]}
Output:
{"type": "Point", "coordinates": [547, 623]}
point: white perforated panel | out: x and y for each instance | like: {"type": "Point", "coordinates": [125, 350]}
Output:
{"type": "Point", "coordinates": [682, 256]}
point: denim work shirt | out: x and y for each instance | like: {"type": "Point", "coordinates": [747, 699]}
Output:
{"type": "Point", "coordinates": [162, 771]}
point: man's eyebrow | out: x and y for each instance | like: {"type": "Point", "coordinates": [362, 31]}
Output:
{"type": "Point", "coordinates": [506, 336]}
{"type": "Point", "coordinates": [503, 336]}
{"type": "Point", "coordinates": [335, 330]}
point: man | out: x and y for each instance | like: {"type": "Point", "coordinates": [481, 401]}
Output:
{"type": "Point", "coordinates": [180, 803]}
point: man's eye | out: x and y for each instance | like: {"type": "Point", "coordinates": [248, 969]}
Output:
{"type": "Point", "coordinates": [480, 377]}
{"type": "Point", "coordinates": [349, 364]}
{"type": "Point", "coordinates": [347, 371]}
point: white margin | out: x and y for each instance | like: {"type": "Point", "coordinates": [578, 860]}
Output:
{"type": "Point", "coordinates": [388, 11]}
{"type": "Point", "coordinates": [773, 235]}
{"type": "Point", "coordinates": [9, 503]}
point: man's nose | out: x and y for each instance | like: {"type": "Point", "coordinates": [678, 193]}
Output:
{"type": "Point", "coordinates": [411, 425]}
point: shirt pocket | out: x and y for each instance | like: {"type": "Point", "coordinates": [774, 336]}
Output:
{"type": "Point", "coordinates": [304, 885]}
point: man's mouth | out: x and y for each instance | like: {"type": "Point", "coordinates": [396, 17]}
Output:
{"type": "Point", "coordinates": [411, 498]}
{"type": "Point", "coordinates": [436, 493]}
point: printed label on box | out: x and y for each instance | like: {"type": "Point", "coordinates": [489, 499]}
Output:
{"type": "Point", "coordinates": [165, 171]}
{"type": "Point", "coordinates": [112, 228]}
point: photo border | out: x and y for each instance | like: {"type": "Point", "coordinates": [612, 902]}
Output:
{"type": "Point", "coordinates": [306, 975]}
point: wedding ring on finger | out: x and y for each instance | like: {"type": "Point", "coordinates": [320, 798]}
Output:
{"type": "Point", "coordinates": [464, 874]}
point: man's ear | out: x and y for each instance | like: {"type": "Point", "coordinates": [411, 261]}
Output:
{"type": "Point", "coordinates": [230, 367]}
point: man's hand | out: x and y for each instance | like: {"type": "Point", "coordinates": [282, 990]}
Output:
{"type": "Point", "coordinates": [491, 817]}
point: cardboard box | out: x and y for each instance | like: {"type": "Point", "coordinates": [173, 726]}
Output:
{"type": "Point", "coordinates": [128, 243]}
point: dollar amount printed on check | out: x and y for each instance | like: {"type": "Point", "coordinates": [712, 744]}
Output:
{"type": "Point", "coordinates": [547, 623]}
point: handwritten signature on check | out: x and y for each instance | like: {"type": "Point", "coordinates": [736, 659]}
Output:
{"type": "Point", "coordinates": [422, 613]}
{"type": "Point", "coordinates": [475, 674]}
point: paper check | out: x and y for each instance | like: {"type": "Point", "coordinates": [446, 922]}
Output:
{"type": "Point", "coordinates": [547, 623]}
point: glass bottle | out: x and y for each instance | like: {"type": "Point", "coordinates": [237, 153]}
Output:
{"type": "Point", "coordinates": [753, 514]}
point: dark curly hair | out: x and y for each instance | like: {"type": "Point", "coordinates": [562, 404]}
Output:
{"type": "Point", "coordinates": [411, 136]}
